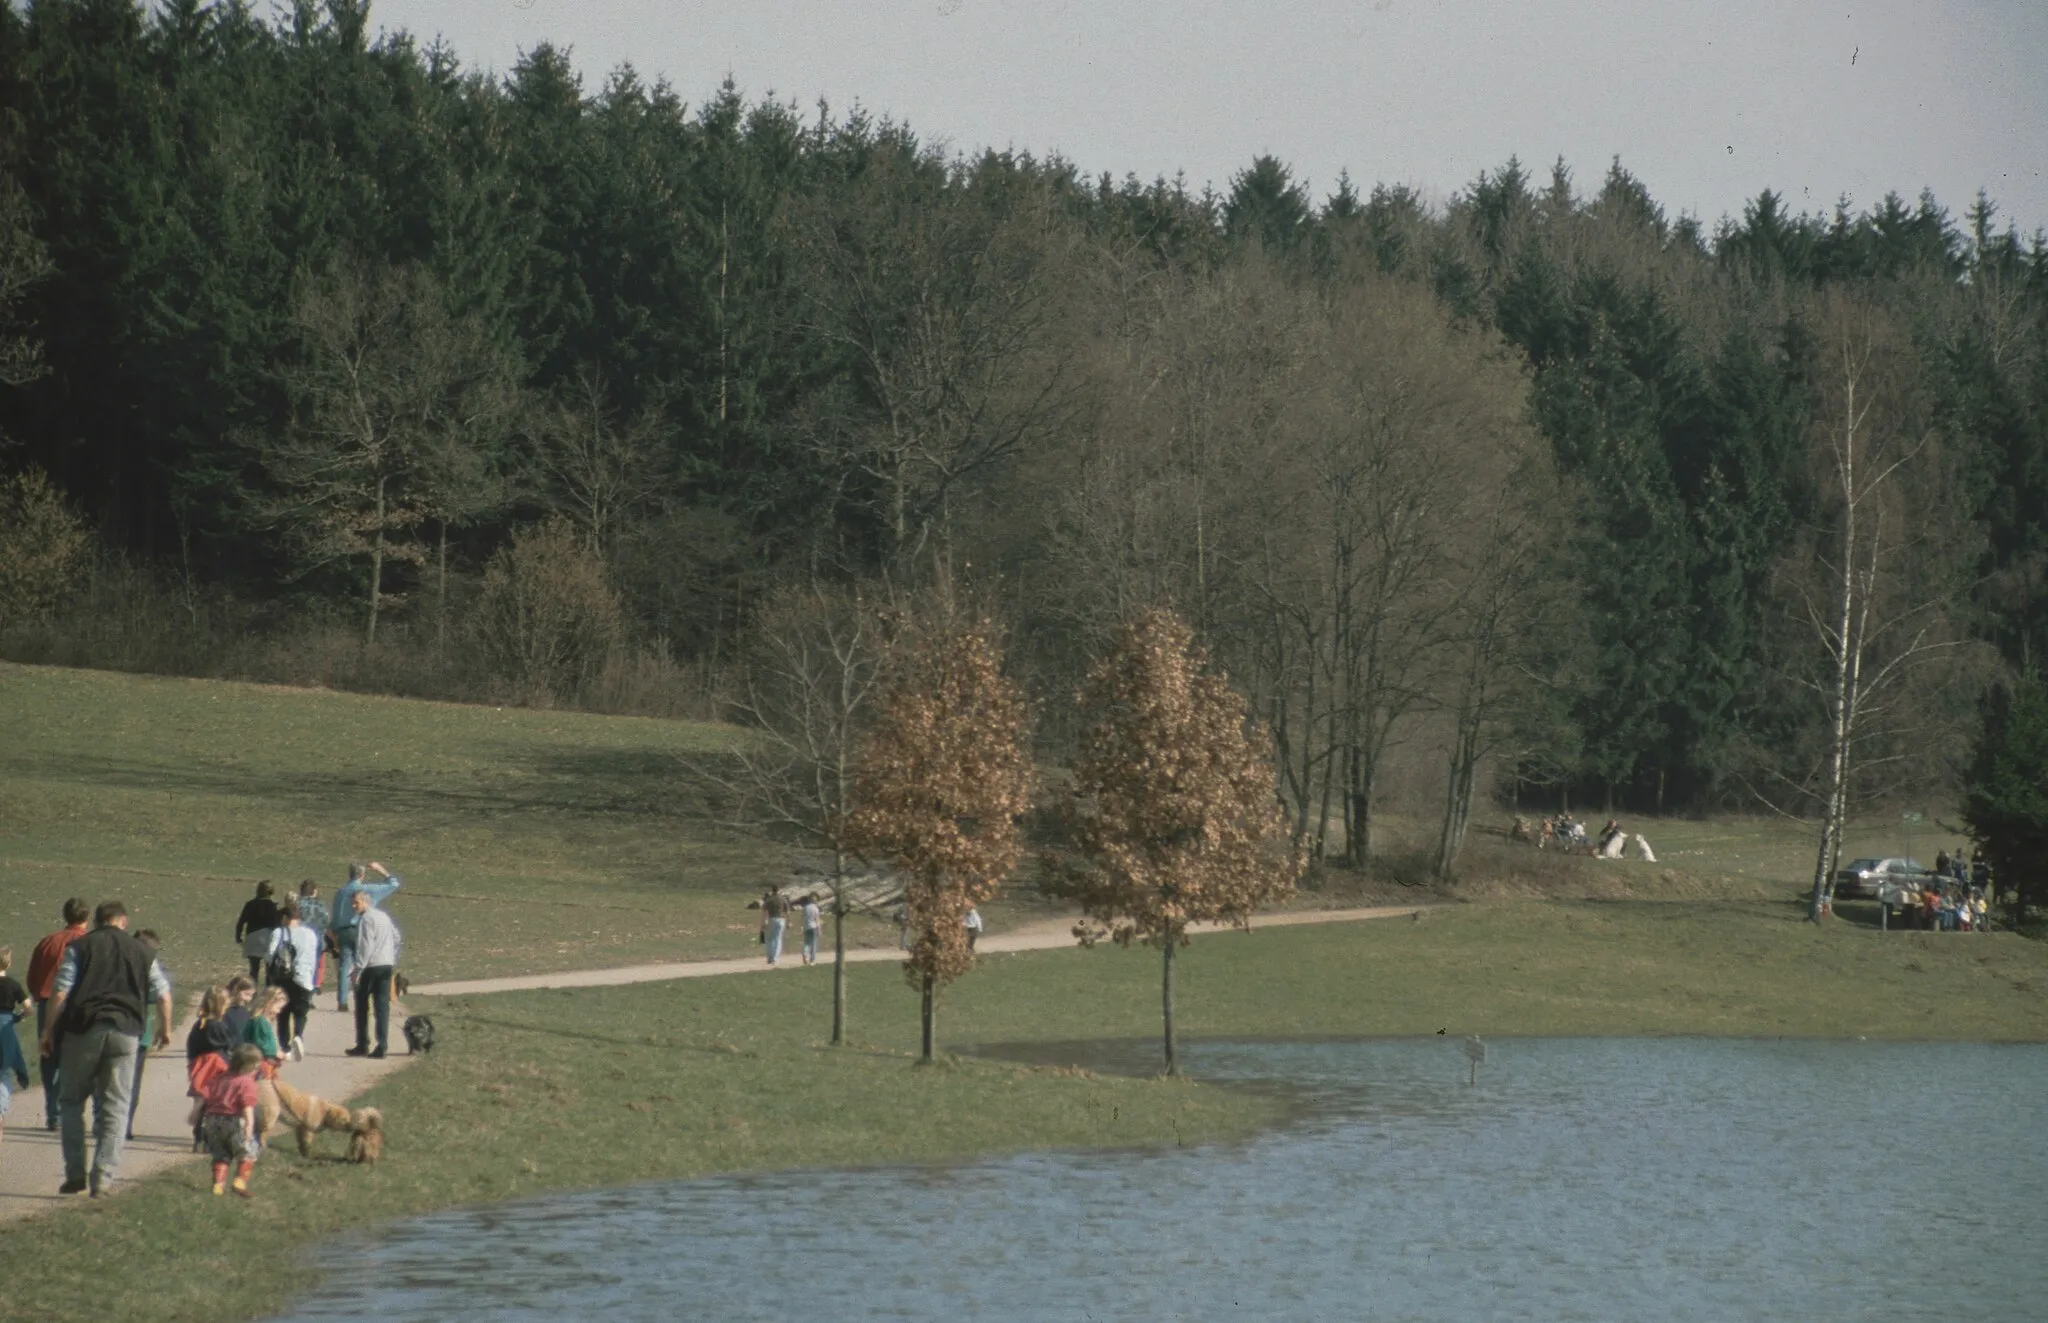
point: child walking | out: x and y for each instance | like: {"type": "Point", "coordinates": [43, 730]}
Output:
{"type": "Point", "coordinates": [262, 1028]}
{"type": "Point", "coordinates": [208, 1044]}
{"type": "Point", "coordinates": [229, 1120]}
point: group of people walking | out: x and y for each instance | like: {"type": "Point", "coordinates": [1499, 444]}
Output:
{"type": "Point", "coordinates": [102, 1000]}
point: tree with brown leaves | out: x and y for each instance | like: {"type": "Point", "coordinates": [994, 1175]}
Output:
{"type": "Point", "coordinates": [1174, 818]}
{"type": "Point", "coordinates": [942, 778]}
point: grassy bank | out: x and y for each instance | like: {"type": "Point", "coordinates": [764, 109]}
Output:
{"type": "Point", "coordinates": [542, 1091]}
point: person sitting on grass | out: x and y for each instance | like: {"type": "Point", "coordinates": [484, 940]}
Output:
{"type": "Point", "coordinates": [228, 1120]}
{"type": "Point", "coordinates": [261, 1030]}
{"type": "Point", "coordinates": [13, 1064]}
{"type": "Point", "coordinates": [208, 1045]}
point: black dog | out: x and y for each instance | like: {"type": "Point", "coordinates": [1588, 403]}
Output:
{"type": "Point", "coordinates": [400, 985]}
{"type": "Point", "coordinates": [419, 1034]}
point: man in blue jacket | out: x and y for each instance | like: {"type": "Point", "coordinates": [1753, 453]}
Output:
{"type": "Point", "coordinates": [342, 927]}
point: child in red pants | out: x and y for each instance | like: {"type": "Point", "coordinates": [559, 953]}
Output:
{"type": "Point", "coordinates": [228, 1119]}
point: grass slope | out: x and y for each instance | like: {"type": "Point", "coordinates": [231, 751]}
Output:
{"type": "Point", "coordinates": [528, 840]}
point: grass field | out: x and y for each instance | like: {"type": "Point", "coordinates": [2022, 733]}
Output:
{"type": "Point", "coordinates": [527, 840]}
{"type": "Point", "coordinates": [535, 840]}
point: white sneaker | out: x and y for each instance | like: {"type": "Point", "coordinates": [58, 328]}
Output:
{"type": "Point", "coordinates": [298, 1049]}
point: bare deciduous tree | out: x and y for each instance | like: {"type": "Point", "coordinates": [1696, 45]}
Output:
{"type": "Point", "coordinates": [811, 676]}
{"type": "Point", "coordinates": [389, 399]}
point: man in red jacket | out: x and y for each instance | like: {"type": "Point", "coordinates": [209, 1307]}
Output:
{"type": "Point", "coordinates": [42, 976]}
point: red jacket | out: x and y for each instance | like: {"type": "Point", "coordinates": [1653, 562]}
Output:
{"type": "Point", "coordinates": [48, 958]}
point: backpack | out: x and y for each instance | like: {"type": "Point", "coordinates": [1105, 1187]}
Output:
{"type": "Point", "coordinates": [283, 962]}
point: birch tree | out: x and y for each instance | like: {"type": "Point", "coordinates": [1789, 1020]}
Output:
{"type": "Point", "coordinates": [1882, 582]}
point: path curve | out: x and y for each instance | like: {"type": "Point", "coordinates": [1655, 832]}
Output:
{"type": "Point", "coordinates": [32, 1164]}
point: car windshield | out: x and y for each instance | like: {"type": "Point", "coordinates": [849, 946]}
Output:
{"type": "Point", "coordinates": [1863, 865]}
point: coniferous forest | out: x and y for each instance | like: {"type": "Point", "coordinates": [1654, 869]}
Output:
{"type": "Point", "coordinates": [330, 360]}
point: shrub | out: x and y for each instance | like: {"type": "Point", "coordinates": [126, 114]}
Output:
{"type": "Point", "coordinates": [43, 547]}
{"type": "Point", "coordinates": [548, 616]}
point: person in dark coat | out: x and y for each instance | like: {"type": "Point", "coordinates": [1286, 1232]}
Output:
{"type": "Point", "coordinates": [253, 928]}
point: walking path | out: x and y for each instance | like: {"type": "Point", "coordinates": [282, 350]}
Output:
{"type": "Point", "coordinates": [32, 1163]}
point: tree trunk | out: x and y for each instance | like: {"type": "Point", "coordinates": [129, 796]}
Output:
{"type": "Point", "coordinates": [1842, 702]}
{"type": "Point", "coordinates": [441, 594]}
{"type": "Point", "coordinates": [838, 949]}
{"type": "Point", "coordinates": [376, 566]}
{"type": "Point", "coordinates": [1166, 1000]}
{"type": "Point", "coordinates": [928, 999]}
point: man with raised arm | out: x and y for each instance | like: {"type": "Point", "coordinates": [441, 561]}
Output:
{"type": "Point", "coordinates": [343, 925]}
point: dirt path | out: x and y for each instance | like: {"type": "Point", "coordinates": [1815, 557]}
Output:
{"type": "Point", "coordinates": [32, 1163]}
{"type": "Point", "coordinates": [1044, 935]}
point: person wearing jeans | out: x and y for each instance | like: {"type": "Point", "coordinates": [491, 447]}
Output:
{"type": "Point", "coordinates": [344, 926]}
{"type": "Point", "coordinates": [42, 978]}
{"type": "Point", "coordinates": [376, 958]}
{"type": "Point", "coordinates": [99, 1000]}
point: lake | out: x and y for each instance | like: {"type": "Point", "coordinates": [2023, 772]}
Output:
{"type": "Point", "coordinates": [1579, 1179]}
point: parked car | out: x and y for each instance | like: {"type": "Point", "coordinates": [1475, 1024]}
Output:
{"type": "Point", "coordinates": [1863, 877]}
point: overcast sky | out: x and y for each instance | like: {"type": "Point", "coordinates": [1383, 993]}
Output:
{"type": "Point", "coordinates": [1707, 103]}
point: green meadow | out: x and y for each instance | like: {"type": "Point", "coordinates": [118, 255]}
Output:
{"type": "Point", "coordinates": [536, 840]}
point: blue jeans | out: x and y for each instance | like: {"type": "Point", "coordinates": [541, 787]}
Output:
{"type": "Point", "coordinates": [346, 961]}
{"type": "Point", "coordinates": [99, 1063]}
{"type": "Point", "coordinates": [47, 1066]}
{"type": "Point", "coordinates": [375, 992]}
{"type": "Point", "coordinates": [810, 945]}
{"type": "Point", "coordinates": [775, 927]}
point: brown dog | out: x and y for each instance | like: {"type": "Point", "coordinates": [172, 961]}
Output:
{"type": "Point", "coordinates": [306, 1113]}
{"type": "Point", "coordinates": [366, 1135]}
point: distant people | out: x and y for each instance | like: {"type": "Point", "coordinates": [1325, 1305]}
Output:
{"type": "Point", "coordinates": [1980, 872]}
{"type": "Point", "coordinates": [43, 964]}
{"type": "Point", "coordinates": [343, 925]}
{"type": "Point", "coordinates": [98, 1001]}
{"type": "Point", "coordinates": [774, 918]}
{"type": "Point", "coordinates": [228, 1120]}
{"type": "Point", "coordinates": [14, 1003]}
{"type": "Point", "coordinates": [294, 955]}
{"type": "Point", "coordinates": [254, 925]}
{"type": "Point", "coordinates": [973, 922]}
{"type": "Point", "coordinates": [376, 960]}
{"type": "Point", "coordinates": [1941, 863]}
{"type": "Point", "coordinates": [813, 923]}
{"type": "Point", "coordinates": [313, 914]}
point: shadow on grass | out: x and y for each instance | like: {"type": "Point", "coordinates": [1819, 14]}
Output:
{"type": "Point", "coordinates": [594, 783]}
{"type": "Point", "coordinates": [581, 1035]}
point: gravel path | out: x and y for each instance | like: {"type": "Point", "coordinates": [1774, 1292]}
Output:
{"type": "Point", "coordinates": [32, 1164]}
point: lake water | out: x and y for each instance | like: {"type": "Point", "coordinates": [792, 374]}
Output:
{"type": "Point", "coordinates": [1580, 1179]}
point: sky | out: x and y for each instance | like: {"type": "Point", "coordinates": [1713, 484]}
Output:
{"type": "Point", "coordinates": [1707, 103]}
